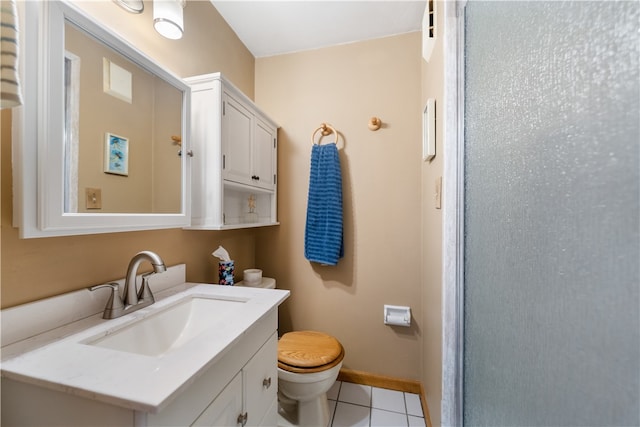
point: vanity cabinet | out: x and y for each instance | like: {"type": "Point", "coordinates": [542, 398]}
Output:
{"type": "Point", "coordinates": [226, 409]}
{"type": "Point", "coordinates": [255, 386]}
{"type": "Point", "coordinates": [237, 389]}
{"type": "Point", "coordinates": [234, 164]}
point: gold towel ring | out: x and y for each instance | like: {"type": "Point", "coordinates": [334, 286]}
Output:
{"type": "Point", "coordinates": [326, 129]}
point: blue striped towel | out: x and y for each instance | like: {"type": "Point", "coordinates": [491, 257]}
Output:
{"type": "Point", "coordinates": [323, 233]}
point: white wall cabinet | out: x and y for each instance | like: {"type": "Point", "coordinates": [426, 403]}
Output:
{"type": "Point", "coordinates": [239, 389]}
{"type": "Point", "coordinates": [234, 165]}
{"type": "Point", "coordinates": [248, 146]}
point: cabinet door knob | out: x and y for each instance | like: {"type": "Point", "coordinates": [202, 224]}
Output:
{"type": "Point", "coordinates": [242, 419]}
{"type": "Point", "coordinates": [256, 177]}
{"type": "Point", "coordinates": [266, 383]}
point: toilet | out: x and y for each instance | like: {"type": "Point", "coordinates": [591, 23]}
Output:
{"type": "Point", "coordinates": [308, 365]}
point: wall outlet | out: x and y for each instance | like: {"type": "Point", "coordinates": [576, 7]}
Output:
{"type": "Point", "coordinates": [93, 198]}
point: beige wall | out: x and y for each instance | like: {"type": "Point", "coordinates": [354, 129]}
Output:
{"type": "Point", "coordinates": [166, 182]}
{"type": "Point", "coordinates": [37, 268]}
{"type": "Point", "coordinates": [433, 87]}
{"type": "Point", "coordinates": [345, 86]}
{"type": "Point", "coordinates": [101, 113]}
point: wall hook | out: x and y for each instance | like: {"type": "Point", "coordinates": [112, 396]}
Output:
{"type": "Point", "coordinates": [375, 123]}
{"type": "Point", "coordinates": [177, 141]}
{"type": "Point", "coordinates": [326, 129]}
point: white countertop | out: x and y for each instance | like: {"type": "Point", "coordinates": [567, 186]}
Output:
{"type": "Point", "coordinates": [144, 383]}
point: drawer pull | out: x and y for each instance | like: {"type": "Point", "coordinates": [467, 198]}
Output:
{"type": "Point", "coordinates": [266, 383]}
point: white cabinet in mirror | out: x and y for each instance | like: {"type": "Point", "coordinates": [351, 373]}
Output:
{"type": "Point", "coordinates": [93, 145]}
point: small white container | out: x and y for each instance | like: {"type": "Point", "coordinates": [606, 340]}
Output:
{"type": "Point", "coordinates": [252, 277]}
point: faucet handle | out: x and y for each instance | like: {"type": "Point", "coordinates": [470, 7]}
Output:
{"type": "Point", "coordinates": [115, 306]}
{"type": "Point", "coordinates": [144, 294]}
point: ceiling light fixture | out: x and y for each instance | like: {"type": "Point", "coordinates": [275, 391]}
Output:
{"type": "Point", "coordinates": [133, 6]}
{"type": "Point", "coordinates": [167, 18]}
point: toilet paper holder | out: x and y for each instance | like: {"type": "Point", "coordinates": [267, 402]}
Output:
{"type": "Point", "coordinates": [397, 315]}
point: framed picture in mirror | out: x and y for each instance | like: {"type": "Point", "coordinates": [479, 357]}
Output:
{"type": "Point", "coordinates": [116, 154]}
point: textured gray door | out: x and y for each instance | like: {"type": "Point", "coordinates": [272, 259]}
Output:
{"type": "Point", "coordinates": [552, 218]}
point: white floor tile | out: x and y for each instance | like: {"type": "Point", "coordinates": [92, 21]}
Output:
{"type": "Point", "coordinates": [355, 393]}
{"type": "Point", "coordinates": [348, 415]}
{"type": "Point", "coordinates": [380, 418]}
{"type": "Point", "coordinates": [332, 394]}
{"type": "Point", "coordinates": [389, 400]}
{"type": "Point", "coordinates": [357, 405]}
{"type": "Point", "coordinates": [416, 421]}
{"type": "Point", "coordinates": [414, 406]}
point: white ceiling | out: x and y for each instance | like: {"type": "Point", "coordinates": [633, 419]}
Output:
{"type": "Point", "coordinates": [270, 28]}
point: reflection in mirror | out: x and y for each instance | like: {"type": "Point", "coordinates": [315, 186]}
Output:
{"type": "Point", "coordinates": [94, 146]}
{"type": "Point", "coordinates": [120, 99]}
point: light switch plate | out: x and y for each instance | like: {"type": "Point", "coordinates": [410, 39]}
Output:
{"type": "Point", "coordinates": [93, 198]}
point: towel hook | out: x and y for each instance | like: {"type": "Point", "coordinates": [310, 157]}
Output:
{"type": "Point", "coordinates": [375, 123]}
{"type": "Point", "coordinates": [326, 129]}
{"type": "Point", "coordinates": [177, 140]}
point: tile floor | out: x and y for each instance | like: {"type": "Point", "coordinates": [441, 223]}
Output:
{"type": "Point", "coordinates": [355, 405]}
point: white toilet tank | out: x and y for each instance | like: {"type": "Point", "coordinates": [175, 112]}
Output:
{"type": "Point", "coordinates": [267, 283]}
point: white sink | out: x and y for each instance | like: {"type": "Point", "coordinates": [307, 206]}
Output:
{"type": "Point", "coordinates": [170, 327]}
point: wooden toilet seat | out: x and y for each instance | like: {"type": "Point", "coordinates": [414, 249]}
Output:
{"type": "Point", "coordinates": [308, 352]}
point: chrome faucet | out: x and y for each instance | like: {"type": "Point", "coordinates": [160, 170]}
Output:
{"type": "Point", "coordinates": [134, 298]}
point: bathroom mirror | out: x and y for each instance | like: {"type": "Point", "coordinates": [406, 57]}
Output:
{"type": "Point", "coordinates": [98, 144]}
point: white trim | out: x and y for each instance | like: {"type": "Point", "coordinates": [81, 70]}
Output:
{"type": "Point", "coordinates": [429, 37]}
{"type": "Point", "coordinates": [453, 217]}
{"type": "Point", "coordinates": [72, 131]}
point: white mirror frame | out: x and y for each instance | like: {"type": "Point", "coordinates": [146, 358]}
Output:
{"type": "Point", "coordinates": [38, 130]}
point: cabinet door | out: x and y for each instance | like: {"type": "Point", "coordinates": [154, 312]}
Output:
{"type": "Point", "coordinates": [271, 417]}
{"type": "Point", "coordinates": [263, 155]}
{"type": "Point", "coordinates": [237, 126]}
{"type": "Point", "coordinates": [226, 407]}
{"type": "Point", "coordinates": [261, 383]}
